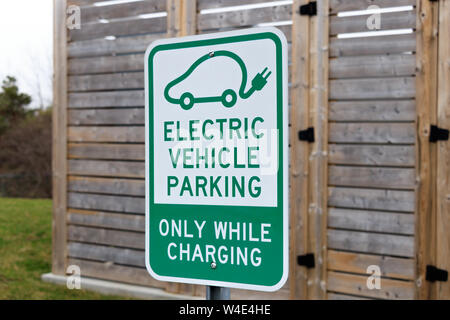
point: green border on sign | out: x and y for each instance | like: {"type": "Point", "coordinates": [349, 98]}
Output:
{"type": "Point", "coordinates": [272, 272]}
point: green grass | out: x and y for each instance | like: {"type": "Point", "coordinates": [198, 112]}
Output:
{"type": "Point", "coordinates": [25, 252]}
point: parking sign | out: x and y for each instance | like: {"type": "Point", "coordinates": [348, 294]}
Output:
{"type": "Point", "coordinates": [217, 159]}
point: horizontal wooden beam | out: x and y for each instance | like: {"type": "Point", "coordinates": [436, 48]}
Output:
{"type": "Point", "coordinates": [375, 199]}
{"type": "Point", "coordinates": [100, 219]}
{"type": "Point", "coordinates": [390, 267]}
{"type": "Point", "coordinates": [102, 253]}
{"type": "Point", "coordinates": [371, 221]}
{"type": "Point", "coordinates": [391, 20]}
{"type": "Point", "coordinates": [357, 285]}
{"type": "Point", "coordinates": [352, 5]}
{"type": "Point", "coordinates": [388, 133]}
{"type": "Point", "coordinates": [113, 185]}
{"type": "Point", "coordinates": [373, 243]}
{"type": "Point", "coordinates": [373, 110]}
{"type": "Point", "coordinates": [374, 155]}
{"type": "Point", "coordinates": [120, 204]}
{"type": "Point", "coordinates": [244, 18]}
{"type": "Point", "coordinates": [375, 177]}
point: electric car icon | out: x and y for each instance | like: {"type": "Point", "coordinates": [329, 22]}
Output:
{"type": "Point", "coordinates": [228, 97]}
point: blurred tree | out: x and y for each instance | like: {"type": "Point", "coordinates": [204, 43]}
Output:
{"type": "Point", "coordinates": [12, 104]}
{"type": "Point", "coordinates": [25, 152]}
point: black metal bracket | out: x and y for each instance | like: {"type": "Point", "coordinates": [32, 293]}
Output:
{"type": "Point", "coordinates": [437, 134]}
{"type": "Point", "coordinates": [306, 135]}
{"type": "Point", "coordinates": [434, 274]}
{"type": "Point", "coordinates": [306, 260]}
{"type": "Point", "coordinates": [309, 9]}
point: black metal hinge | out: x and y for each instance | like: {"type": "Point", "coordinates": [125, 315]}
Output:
{"type": "Point", "coordinates": [306, 135]}
{"type": "Point", "coordinates": [437, 134]}
{"type": "Point", "coordinates": [306, 260]}
{"type": "Point", "coordinates": [309, 9]}
{"type": "Point", "coordinates": [434, 274]}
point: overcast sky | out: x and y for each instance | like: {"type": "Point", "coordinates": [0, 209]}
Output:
{"type": "Point", "coordinates": [26, 28]}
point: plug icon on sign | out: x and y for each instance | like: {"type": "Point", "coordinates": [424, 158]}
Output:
{"type": "Point", "coordinates": [228, 97]}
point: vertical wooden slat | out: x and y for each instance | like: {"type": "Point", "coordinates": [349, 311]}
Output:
{"type": "Point", "coordinates": [173, 30]}
{"type": "Point", "coordinates": [299, 152]}
{"type": "Point", "coordinates": [59, 143]}
{"type": "Point", "coordinates": [426, 77]}
{"type": "Point", "coordinates": [173, 18]}
{"type": "Point", "coordinates": [318, 157]}
{"type": "Point", "coordinates": [188, 26]}
{"type": "Point", "coordinates": [443, 152]}
{"type": "Point", "coordinates": [188, 17]}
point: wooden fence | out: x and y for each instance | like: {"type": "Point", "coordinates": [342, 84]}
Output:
{"type": "Point", "coordinates": [371, 189]}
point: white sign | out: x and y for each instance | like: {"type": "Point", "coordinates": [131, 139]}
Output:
{"type": "Point", "coordinates": [217, 147]}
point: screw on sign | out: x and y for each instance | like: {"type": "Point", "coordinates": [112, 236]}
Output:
{"type": "Point", "coordinates": [216, 160]}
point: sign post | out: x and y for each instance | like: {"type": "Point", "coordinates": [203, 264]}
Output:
{"type": "Point", "coordinates": [217, 160]}
{"type": "Point", "coordinates": [217, 293]}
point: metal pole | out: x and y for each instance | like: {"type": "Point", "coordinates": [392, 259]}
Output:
{"type": "Point", "coordinates": [217, 293]}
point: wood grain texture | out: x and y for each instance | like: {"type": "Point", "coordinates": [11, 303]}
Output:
{"type": "Point", "coordinates": [121, 10]}
{"type": "Point", "coordinates": [390, 20]}
{"type": "Point", "coordinates": [371, 221]}
{"type": "Point", "coordinates": [365, 242]}
{"type": "Point", "coordinates": [356, 285]}
{"type": "Point", "coordinates": [107, 203]}
{"type": "Point", "coordinates": [111, 47]}
{"type": "Point", "coordinates": [244, 18]}
{"type": "Point", "coordinates": [351, 5]}
{"type": "Point", "coordinates": [101, 253]}
{"type": "Point", "coordinates": [374, 155]}
{"type": "Point", "coordinates": [373, 66]}
{"type": "Point", "coordinates": [211, 4]}
{"type": "Point", "coordinates": [117, 238]}
{"type": "Point", "coordinates": [389, 133]}
{"type": "Point", "coordinates": [189, 15]}
{"type": "Point", "coordinates": [341, 297]}
{"type": "Point", "coordinates": [103, 151]}
{"type": "Point", "coordinates": [59, 139]}
{"type": "Point", "coordinates": [286, 29]}
{"type": "Point", "coordinates": [106, 134]}
{"type": "Point", "coordinates": [108, 99]}
{"type": "Point", "coordinates": [373, 110]}
{"type": "Point", "coordinates": [318, 115]}
{"type": "Point", "coordinates": [390, 267]}
{"type": "Point", "coordinates": [380, 88]}
{"type": "Point", "coordinates": [360, 198]}
{"type": "Point", "coordinates": [443, 152]}
{"type": "Point", "coordinates": [118, 28]}
{"type": "Point", "coordinates": [125, 169]}
{"type": "Point", "coordinates": [99, 219]}
{"type": "Point", "coordinates": [113, 64]}
{"type": "Point", "coordinates": [365, 46]}
{"type": "Point", "coordinates": [375, 177]}
{"type": "Point", "coordinates": [114, 185]}
{"type": "Point", "coordinates": [128, 116]}
{"type": "Point", "coordinates": [111, 81]}
{"type": "Point", "coordinates": [426, 83]}
{"type": "Point", "coordinates": [372, 91]}
{"type": "Point", "coordinates": [299, 120]}
{"type": "Point", "coordinates": [174, 16]}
